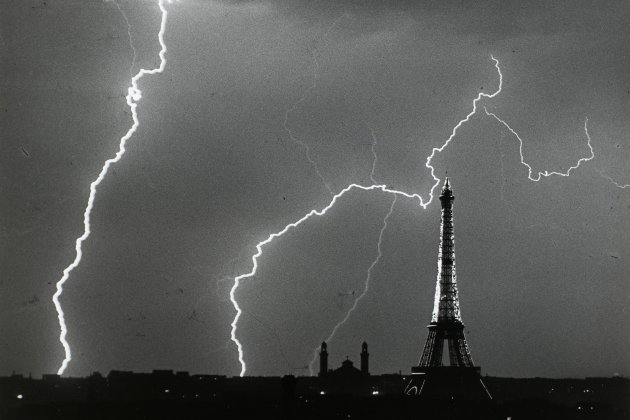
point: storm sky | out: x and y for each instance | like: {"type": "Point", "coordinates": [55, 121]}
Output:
{"type": "Point", "coordinates": [212, 170]}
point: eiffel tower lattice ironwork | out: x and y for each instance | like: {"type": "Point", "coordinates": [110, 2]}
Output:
{"type": "Point", "coordinates": [446, 326]}
{"type": "Point", "coordinates": [446, 322]}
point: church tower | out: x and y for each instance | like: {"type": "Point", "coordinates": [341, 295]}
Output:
{"type": "Point", "coordinates": [323, 359]}
{"type": "Point", "coordinates": [365, 359]}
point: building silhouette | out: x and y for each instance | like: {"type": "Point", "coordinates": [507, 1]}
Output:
{"type": "Point", "coordinates": [449, 387]}
{"type": "Point", "coordinates": [347, 368]}
{"type": "Point", "coordinates": [323, 359]}
{"type": "Point", "coordinates": [365, 359]}
{"type": "Point", "coordinates": [432, 377]}
{"type": "Point", "coordinates": [165, 394]}
{"type": "Point", "coordinates": [346, 379]}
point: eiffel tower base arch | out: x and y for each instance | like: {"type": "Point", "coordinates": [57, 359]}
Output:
{"type": "Point", "coordinates": [447, 382]}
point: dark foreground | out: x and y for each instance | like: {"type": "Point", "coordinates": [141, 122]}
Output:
{"type": "Point", "coordinates": [168, 395]}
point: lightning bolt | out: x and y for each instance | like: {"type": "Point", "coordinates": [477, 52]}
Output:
{"type": "Point", "coordinates": [368, 277]}
{"type": "Point", "coordinates": [335, 198]}
{"type": "Point", "coordinates": [133, 49]}
{"type": "Point", "coordinates": [373, 264]}
{"type": "Point", "coordinates": [545, 174]}
{"type": "Point", "coordinates": [384, 189]}
{"type": "Point", "coordinates": [615, 183]}
{"type": "Point", "coordinates": [375, 157]}
{"type": "Point", "coordinates": [296, 104]}
{"type": "Point", "coordinates": [502, 169]}
{"type": "Point", "coordinates": [134, 94]}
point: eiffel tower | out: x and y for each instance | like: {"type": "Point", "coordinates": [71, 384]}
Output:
{"type": "Point", "coordinates": [431, 377]}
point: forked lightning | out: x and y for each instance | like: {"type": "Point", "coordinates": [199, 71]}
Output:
{"type": "Point", "coordinates": [383, 188]}
{"type": "Point", "coordinates": [134, 94]}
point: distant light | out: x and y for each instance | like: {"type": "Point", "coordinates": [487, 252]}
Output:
{"type": "Point", "coordinates": [167, 390]}
{"type": "Point", "coordinates": [322, 393]}
{"type": "Point", "coordinates": [579, 407]}
{"type": "Point", "coordinates": [19, 396]}
{"type": "Point", "coordinates": [374, 392]}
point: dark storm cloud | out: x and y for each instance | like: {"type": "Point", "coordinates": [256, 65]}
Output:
{"type": "Point", "coordinates": [211, 172]}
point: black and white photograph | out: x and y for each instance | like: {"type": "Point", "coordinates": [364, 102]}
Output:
{"type": "Point", "coordinates": [315, 209]}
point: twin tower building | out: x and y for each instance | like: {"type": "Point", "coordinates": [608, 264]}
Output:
{"type": "Point", "coordinates": [435, 375]}
{"type": "Point", "coordinates": [347, 365]}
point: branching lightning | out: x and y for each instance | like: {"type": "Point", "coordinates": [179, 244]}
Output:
{"type": "Point", "coordinates": [296, 104]}
{"type": "Point", "coordinates": [615, 183]}
{"type": "Point", "coordinates": [270, 238]}
{"type": "Point", "coordinates": [375, 156]}
{"type": "Point", "coordinates": [133, 49]}
{"type": "Point", "coordinates": [134, 94]}
{"type": "Point", "coordinates": [384, 189]}
{"type": "Point", "coordinates": [368, 277]}
{"type": "Point", "coordinates": [541, 174]}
